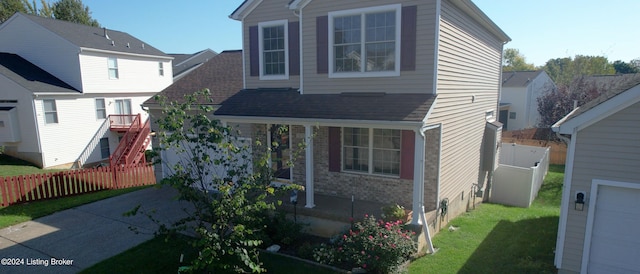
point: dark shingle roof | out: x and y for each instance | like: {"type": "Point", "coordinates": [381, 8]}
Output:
{"type": "Point", "coordinates": [629, 82]}
{"type": "Point", "coordinates": [518, 78]}
{"type": "Point", "coordinates": [289, 103]}
{"type": "Point", "coordinates": [185, 62]}
{"type": "Point", "coordinates": [222, 75]}
{"type": "Point", "coordinates": [30, 76]}
{"type": "Point", "coordinates": [93, 37]}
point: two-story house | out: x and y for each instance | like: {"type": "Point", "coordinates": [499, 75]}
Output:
{"type": "Point", "coordinates": [70, 92]}
{"type": "Point", "coordinates": [519, 98]}
{"type": "Point", "coordinates": [396, 100]}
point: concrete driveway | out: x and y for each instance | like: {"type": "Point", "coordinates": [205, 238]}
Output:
{"type": "Point", "coordinates": [72, 240]}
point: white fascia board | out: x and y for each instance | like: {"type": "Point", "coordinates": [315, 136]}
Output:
{"type": "Point", "coordinates": [600, 112]}
{"type": "Point", "coordinates": [83, 49]}
{"type": "Point", "coordinates": [322, 122]}
{"type": "Point", "coordinates": [244, 10]}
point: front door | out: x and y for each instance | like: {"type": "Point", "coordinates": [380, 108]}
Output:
{"type": "Point", "coordinates": [280, 151]}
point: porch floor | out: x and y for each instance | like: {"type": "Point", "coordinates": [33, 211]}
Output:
{"type": "Point", "coordinates": [333, 208]}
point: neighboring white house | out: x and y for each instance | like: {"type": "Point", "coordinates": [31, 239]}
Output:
{"type": "Point", "coordinates": [599, 216]}
{"type": "Point", "coordinates": [61, 83]}
{"type": "Point", "coordinates": [518, 98]}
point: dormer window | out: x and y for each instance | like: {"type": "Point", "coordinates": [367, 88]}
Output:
{"type": "Point", "coordinates": [112, 63]}
{"type": "Point", "coordinates": [365, 42]}
{"type": "Point", "coordinates": [274, 56]}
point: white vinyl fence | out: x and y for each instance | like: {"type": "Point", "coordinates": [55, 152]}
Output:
{"type": "Point", "coordinates": [519, 175]}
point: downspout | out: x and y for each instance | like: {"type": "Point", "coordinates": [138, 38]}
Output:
{"type": "Point", "coordinates": [419, 218]}
{"type": "Point", "coordinates": [301, 70]}
{"type": "Point", "coordinates": [244, 59]}
{"type": "Point", "coordinates": [35, 119]}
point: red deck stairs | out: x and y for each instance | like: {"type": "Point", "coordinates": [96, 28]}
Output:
{"type": "Point", "coordinates": [134, 142]}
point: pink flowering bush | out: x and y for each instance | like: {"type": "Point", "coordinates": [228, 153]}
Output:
{"type": "Point", "coordinates": [374, 245]}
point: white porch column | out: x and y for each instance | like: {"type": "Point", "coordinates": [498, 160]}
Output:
{"type": "Point", "coordinates": [308, 138]}
{"type": "Point", "coordinates": [418, 177]}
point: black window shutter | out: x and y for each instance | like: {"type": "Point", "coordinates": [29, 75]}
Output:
{"type": "Point", "coordinates": [408, 38]}
{"type": "Point", "coordinates": [294, 48]}
{"type": "Point", "coordinates": [322, 49]}
{"type": "Point", "coordinates": [254, 51]}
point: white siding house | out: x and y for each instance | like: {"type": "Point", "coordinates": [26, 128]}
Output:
{"type": "Point", "coordinates": [599, 217]}
{"type": "Point", "coordinates": [64, 80]}
{"type": "Point", "coordinates": [520, 91]}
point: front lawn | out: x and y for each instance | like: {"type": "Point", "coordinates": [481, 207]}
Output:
{"type": "Point", "coordinates": [160, 256]}
{"type": "Point", "coordinates": [501, 239]}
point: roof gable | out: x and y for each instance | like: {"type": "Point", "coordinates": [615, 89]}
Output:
{"type": "Point", "coordinates": [604, 106]}
{"type": "Point", "coordinates": [89, 37]}
{"type": "Point", "coordinates": [30, 76]}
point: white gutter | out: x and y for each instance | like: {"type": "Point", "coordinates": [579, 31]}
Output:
{"type": "Point", "coordinates": [322, 122]}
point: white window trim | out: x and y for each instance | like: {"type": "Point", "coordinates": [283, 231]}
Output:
{"type": "Point", "coordinates": [109, 68]}
{"type": "Point", "coordinates": [161, 69]}
{"type": "Point", "coordinates": [370, 151]}
{"type": "Point", "coordinates": [105, 108]}
{"type": "Point", "coordinates": [363, 11]}
{"type": "Point", "coordinates": [275, 23]}
{"type": "Point", "coordinates": [44, 112]}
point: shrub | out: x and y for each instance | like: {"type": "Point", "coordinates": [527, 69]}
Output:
{"type": "Point", "coordinates": [393, 213]}
{"type": "Point", "coordinates": [376, 246]}
{"type": "Point", "coordinates": [282, 230]}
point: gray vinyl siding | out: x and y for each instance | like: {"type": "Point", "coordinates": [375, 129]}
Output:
{"type": "Point", "coordinates": [468, 65]}
{"type": "Point", "coordinates": [606, 150]}
{"type": "Point", "coordinates": [266, 11]}
{"type": "Point", "coordinates": [418, 81]}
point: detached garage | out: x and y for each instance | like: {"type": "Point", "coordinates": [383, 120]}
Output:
{"type": "Point", "coordinates": [599, 223]}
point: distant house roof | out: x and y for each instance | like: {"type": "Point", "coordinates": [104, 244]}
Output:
{"type": "Point", "coordinates": [30, 76]}
{"type": "Point", "coordinates": [222, 75]}
{"type": "Point", "coordinates": [184, 63]}
{"type": "Point", "coordinates": [95, 38]}
{"type": "Point", "coordinates": [519, 78]}
{"type": "Point", "coordinates": [609, 100]}
{"type": "Point", "coordinates": [289, 103]}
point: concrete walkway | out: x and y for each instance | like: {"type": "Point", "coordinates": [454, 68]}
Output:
{"type": "Point", "coordinates": [80, 237]}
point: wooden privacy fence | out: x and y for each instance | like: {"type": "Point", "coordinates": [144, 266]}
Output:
{"type": "Point", "coordinates": [557, 152]}
{"type": "Point", "coordinates": [33, 187]}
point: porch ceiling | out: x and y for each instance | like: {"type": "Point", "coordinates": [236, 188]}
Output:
{"type": "Point", "coordinates": [289, 103]}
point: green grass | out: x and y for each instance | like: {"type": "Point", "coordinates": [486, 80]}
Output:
{"type": "Point", "coordinates": [10, 166]}
{"type": "Point", "coordinates": [501, 239]}
{"type": "Point", "coordinates": [159, 255]}
{"type": "Point", "coordinates": [15, 214]}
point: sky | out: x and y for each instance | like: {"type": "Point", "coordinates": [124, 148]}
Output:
{"type": "Point", "coordinates": [539, 29]}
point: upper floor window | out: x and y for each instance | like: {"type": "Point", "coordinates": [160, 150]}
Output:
{"type": "Point", "coordinates": [373, 151]}
{"type": "Point", "coordinates": [50, 111]}
{"type": "Point", "coordinates": [161, 68]}
{"type": "Point", "coordinates": [274, 63]}
{"type": "Point", "coordinates": [101, 110]}
{"type": "Point", "coordinates": [113, 68]}
{"type": "Point", "coordinates": [365, 42]}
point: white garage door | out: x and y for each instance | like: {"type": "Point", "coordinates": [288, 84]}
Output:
{"type": "Point", "coordinates": [615, 240]}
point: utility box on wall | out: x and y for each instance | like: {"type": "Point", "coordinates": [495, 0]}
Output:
{"type": "Point", "coordinates": [9, 127]}
{"type": "Point", "coordinates": [492, 136]}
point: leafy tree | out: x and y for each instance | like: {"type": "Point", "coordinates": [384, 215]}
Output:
{"type": "Point", "coordinates": [230, 195]}
{"type": "Point", "coordinates": [73, 11]}
{"type": "Point", "coordinates": [9, 7]}
{"type": "Point", "coordinates": [564, 70]}
{"type": "Point", "coordinates": [556, 103]}
{"type": "Point", "coordinates": [513, 60]}
{"type": "Point", "coordinates": [622, 67]}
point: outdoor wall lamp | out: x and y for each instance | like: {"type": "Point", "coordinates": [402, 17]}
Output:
{"type": "Point", "coordinates": [579, 205]}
